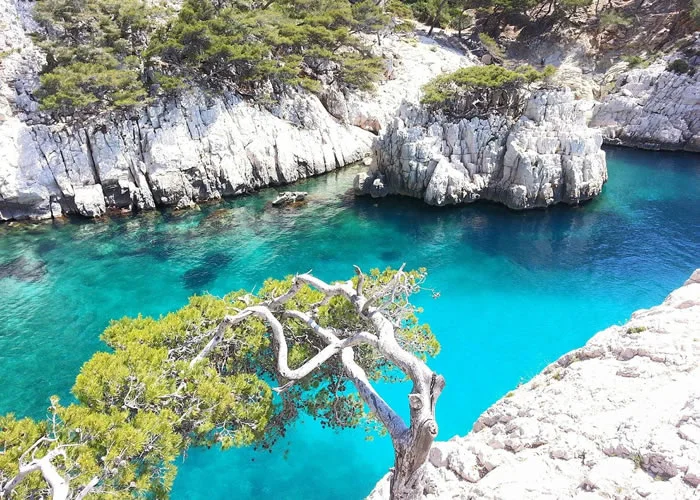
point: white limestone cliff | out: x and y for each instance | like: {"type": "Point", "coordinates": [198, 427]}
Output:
{"type": "Point", "coordinates": [618, 418]}
{"type": "Point", "coordinates": [173, 154]}
{"type": "Point", "coordinates": [545, 156]}
{"type": "Point", "coordinates": [652, 108]}
{"type": "Point", "coordinates": [187, 150]}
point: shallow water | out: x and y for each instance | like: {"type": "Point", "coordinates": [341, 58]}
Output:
{"type": "Point", "coordinates": [516, 291]}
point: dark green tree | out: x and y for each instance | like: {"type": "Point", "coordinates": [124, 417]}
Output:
{"type": "Point", "coordinates": [205, 375]}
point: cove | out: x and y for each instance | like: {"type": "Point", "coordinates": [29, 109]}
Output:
{"type": "Point", "coordinates": [517, 289]}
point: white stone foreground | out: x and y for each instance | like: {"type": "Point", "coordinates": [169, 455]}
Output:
{"type": "Point", "coordinates": [618, 418]}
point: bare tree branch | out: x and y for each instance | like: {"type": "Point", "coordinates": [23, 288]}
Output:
{"type": "Point", "coordinates": [382, 310]}
{"type": "Point", "coordinates": [58, 484]}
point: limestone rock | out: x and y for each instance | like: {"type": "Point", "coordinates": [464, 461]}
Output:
{"type": "Point", "coordinates": [546, 156]}
{"type": "Point", "coordinates": [581, 430]}
{"type": "Point", "coordinates": [652, 108]}
{"type": "Point", "coordinates": [192, 149]}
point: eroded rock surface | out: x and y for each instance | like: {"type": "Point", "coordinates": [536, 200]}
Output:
{"type": "Point", "coordinates": [652, 108]}
{"type": "Point", "coordinates": [618, 418]}
{"type": "Point", "coordinates": [545, 156]}
{"type": "Point", "coordinates": [181, 152]}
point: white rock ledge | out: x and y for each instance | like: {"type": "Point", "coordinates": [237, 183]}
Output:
{"type": "Point", "coordinates": [618, 418]}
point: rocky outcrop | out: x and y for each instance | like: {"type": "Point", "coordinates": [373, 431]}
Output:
{"type": "Point", "coordinates": [175, 153]}
{"type": "Point", "coordinates": [618, 418]}
{"type": "Point", "coordinates": [545, 156]}
{"type": "Point", "coordinates": [652, 108]}
{"type": "Point", "coordinates": [183, 151]}
{"type": "Point", "coordinates": [642, 107]}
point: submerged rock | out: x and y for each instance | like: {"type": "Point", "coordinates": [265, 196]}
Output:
{"type": "Point", "coordinates": [23, 269]}
{"type": "Point", "coordinates": [617, 418]}
{"type": "Point", "coordinates": [546, 156]}
{"type": "Point", "coordinates": [199, 277]}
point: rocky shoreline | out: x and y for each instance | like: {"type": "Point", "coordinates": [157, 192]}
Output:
{"type": "Point", "coordinates": [202, 147]}
{"type": "Point", "coordinates": [618, 418]}
{"type": "Point", "coordinates": [198, 147]}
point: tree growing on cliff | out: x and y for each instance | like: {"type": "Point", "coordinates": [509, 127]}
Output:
{"type": "Point", "coordinates": [201, 376]}
{"type": "Point", "coordinates": [479, 90]}
{"type": "Point", "coordinates": [104, 55]}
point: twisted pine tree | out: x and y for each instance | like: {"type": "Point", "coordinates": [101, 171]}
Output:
{"type": "Point", "coordinates": [200, 376]}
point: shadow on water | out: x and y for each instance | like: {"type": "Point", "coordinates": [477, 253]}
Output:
{"type": "Point", "coordinates": [560, 236]}
{"type": "Point", "coordinates": [23, 269]}
{"type": "Point", "coordinates": [46, 246]}
{"type": "Point", "coordinates": [198, 277]}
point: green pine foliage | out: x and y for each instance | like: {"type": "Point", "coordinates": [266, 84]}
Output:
{"type": "Point", "coordinates": [108, 54]}
{"type": "Point", "coordinates": [492, 45]}
{"type": "Point", "coordinates": [446, 89]}
{"type": "Point", "coordinates": [611, 18]}
{"type": "Point", "coordinates": [294, 42]}
{"type": "Point", "coordinates": [93, 53]}
{"type": "Point", "coordinates": [143, 403]}
{"type": "Point", "coordinates": [679, 66]}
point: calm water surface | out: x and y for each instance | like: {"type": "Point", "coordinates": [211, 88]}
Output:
{"type": "Point", "coordinates": [517, 290]}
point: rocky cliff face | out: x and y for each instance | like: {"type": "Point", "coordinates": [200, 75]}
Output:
{"type": "Point", "coordinates": [650, 107]}
{"type": "Point", "coordinates": [547, 155]}
{"type": "Point", "coordinates": [653, 108]}
{"type": "Point", "coordinates": [192, 149]}
{"type": "Point", "coordinates": [618, 418]}
{"type": "Point", "coordinates": [201, 147]}
{"type": "Point", "coordinates": [175, 153]}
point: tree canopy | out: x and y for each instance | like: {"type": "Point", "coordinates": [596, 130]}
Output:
{"type": "Point", "coordinates": [477, 90]}
{"type": "Point", "coordinates": [231, 371]}
{"type": "Point", "coordinates": [104, 54]}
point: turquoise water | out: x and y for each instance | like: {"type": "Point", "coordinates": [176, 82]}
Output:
{"type": "Point", "coordinates": [517, 290]}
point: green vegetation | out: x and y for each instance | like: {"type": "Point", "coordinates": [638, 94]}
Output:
{"type": "Point", "coordinates": [679, 66]}
{"type": "Point", "coordinates": [492, 46]}
{"type": "Point", "coordinates": [695, 12]}
{"type": "Point", "coordinates": [610, 18]}
{"type": "Point", "coordinates": [635, 61]}
{"type": "Point", "coordinates": [105, 55]}
{"type": "Point", "coordinates": [443, 13]}
{"type": "Point", "coordinates": [165, 386]}
{"type": "Point", "coordinates": [637, 459]}
{"type": "Point", "coordinates": [448, 90]}
{"type": "Point", "coordinates": [636, 329]}
{"type": "Point", "coordinates": [93, 53]}
{"type": "Point", "coordinates": [7, 53]}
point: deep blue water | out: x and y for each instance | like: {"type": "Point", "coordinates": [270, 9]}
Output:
{"type": "Point", "coordinates": [517, 290]}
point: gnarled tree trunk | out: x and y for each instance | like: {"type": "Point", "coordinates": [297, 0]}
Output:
{"type": "Point", "coordinates": [412, 440]}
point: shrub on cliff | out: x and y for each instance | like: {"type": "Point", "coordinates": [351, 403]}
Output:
{"type": "Point", "coordinates": [477, 89]}
{"type": "Point", "coordinates": [104, 54]}
{"type": "Point", "coordinates": [93, 53]}
{"type": "Point", "coordinates": [679, 66]}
